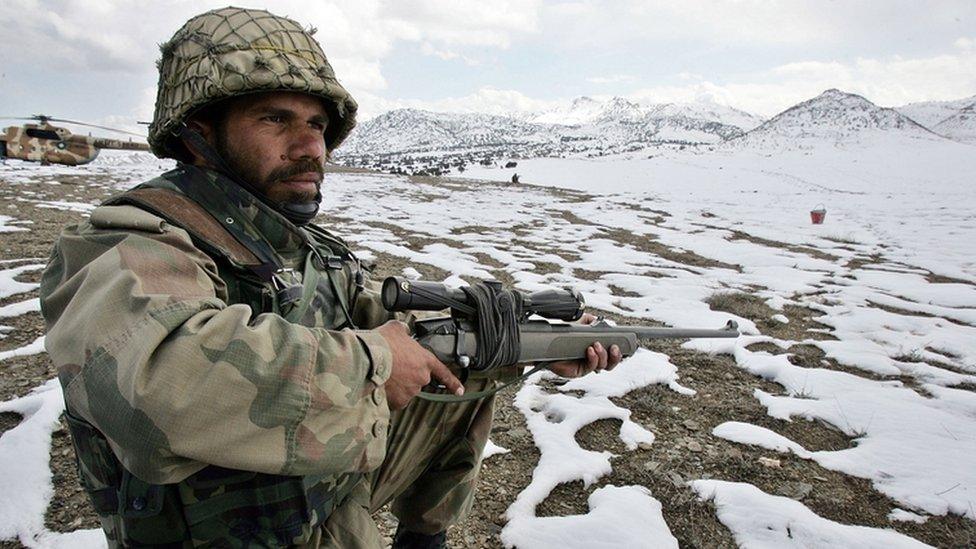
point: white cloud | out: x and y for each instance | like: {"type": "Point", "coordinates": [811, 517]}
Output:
{"type": "Point", "coordinates": [427, 48]}
{"type": "Point", "coordinates": [751, 23]}
{"type": "Point", "coordinates": [485, 100]}
{"type": "Point", "coordinates": [73, 35]}
{"type": "Point", "coordinates": [612, 79]}
{"type": "Point", "coordinates": [603, 39]}
{"type": "Point", "coordinates": [466, 22]}
{"type": "Point", "coordinates": [888, 82]}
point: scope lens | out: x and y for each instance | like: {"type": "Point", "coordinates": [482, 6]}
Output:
{"type": "Point", "coordinates": [390, 292]}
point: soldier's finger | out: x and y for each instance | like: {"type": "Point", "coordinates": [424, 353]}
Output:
{"type": "Point", "coordinates": [601, 354]}
{"type": "Point", "coordinates": [442, 374]}
{"type": "Point", "coordinates": [615, 357]}
{"type": "Point", "coordinates": [592, 360]}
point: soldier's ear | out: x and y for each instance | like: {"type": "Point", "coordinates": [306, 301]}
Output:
{"type": "Point", "coordinates": [206, 130]}
{"type": "Point", "coordinates": [202, 127]}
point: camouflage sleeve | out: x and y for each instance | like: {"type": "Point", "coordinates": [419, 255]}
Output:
{"type": "Point", "coordinates": [150, 354]}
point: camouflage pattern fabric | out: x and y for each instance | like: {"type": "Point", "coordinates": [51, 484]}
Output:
{"type": "Point", "coordinates": [146, 298]}
{"type": "Point", "coordinates": [165, 351]}
{"type": "Point", "coordinates": [429, 475]}
{"type": "Point", "coordinates": [231, 51]}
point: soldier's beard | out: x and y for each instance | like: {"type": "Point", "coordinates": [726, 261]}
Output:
{"type": "Point", "coordinates": [273, 187]}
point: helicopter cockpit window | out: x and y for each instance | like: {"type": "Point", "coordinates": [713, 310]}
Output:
{"type": "Point", "coordinates": [42, 134]}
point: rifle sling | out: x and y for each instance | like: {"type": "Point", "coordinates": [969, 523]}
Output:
{"type": "Point", "coordinates": [193, 218]}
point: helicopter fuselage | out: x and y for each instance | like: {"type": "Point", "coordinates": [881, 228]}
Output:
{"type": "Point", "coordinates": [46, 143]}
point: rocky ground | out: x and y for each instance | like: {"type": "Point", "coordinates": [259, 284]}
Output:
{"type": "Point", "coordinates": [684, 448]}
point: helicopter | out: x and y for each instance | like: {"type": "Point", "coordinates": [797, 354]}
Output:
{"type": "Point", "coordinates": [49, 144]}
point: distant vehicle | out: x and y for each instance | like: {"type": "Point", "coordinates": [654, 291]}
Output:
{"type": "Point", "coordinates": [49, 144]}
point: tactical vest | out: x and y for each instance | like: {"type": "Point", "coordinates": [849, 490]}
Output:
{"type": "Point", "coordinates": [217, 506]}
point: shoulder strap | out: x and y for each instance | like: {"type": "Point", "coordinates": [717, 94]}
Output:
{"type": "Point", "coordinates": [322, 236]}
{"type": "Point", "coordinates": [179, 210]}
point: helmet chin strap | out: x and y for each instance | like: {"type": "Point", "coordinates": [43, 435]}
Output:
{"type": "Point", "coordinates": [298, 213]}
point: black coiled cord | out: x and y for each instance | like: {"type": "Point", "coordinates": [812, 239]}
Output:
{"type": "Point", "coordinates": [498, 334]}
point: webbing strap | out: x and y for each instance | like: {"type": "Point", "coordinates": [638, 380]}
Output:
{"type": "Point", "coordinates": [310, 281]}
{"type": "Point", "coordinates": [449, 398]}
{"type": "Point", "coordinates": [233, 225]}
{"type": "Point", "coordinates": [193, 218]}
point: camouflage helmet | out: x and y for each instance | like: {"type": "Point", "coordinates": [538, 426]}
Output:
{"type": "Point", "coordinates": [230, 52]}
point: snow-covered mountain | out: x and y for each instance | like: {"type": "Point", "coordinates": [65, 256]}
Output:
{"type": "Point", "coordinates": [961, 126]}
{"type": "Point", "coordinates": [418, 141]}
{"type": "Point", "coordinates": [832, 118]}
{"type": "Point", "coordinates": [413, 130]}
{"type": "Point", "coordinates": [931, 113]}
{"type": "Point", "coordinates": [584, 126]}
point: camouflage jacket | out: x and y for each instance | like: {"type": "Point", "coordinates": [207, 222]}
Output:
{"type": "Point", "coordinates": [156, 350]}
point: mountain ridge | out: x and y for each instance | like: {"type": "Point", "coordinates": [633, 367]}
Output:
{"type": "Point", "coordinates": [835, 118]}
{"type": "Point", "coordinates": [420, 141]}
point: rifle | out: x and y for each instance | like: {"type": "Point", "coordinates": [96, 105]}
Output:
{"type": "Point", "coordinates": [490, 326]}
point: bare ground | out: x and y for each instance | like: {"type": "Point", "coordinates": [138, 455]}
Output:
{"type": "Point", "coordinates": [684, 449]}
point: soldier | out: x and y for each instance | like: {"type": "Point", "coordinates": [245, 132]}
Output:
{"type": "Point", "coordinates": [230, 377]}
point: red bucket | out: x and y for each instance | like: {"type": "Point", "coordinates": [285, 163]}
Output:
{"type": "Point", "coordinates": [818, 214]}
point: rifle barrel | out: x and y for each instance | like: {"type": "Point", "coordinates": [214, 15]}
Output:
{"type": "Point", "coordinates": [644, 332]}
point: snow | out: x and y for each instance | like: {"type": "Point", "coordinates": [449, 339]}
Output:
{"type": "Point", "coordinates": [906, 516]}
{"type": "Point", "coordinates": [25, 485]}
{"type": "Point", "coordinates": [917, 450]}
{"type": "Point", "coordinates": [81, 207]}
{"type": "Point", "coordinates": [7, 227]}
{"type": "Point", "coordinates": [10, 286]}
{"type": "Point", "coordinates": [930, 113]}
{"type": "Point", "coordinates": [33, 348]}
{"type": "Point", "coordinates": [889, 277]}
{"type": "Point", "coordinates": [620, 516]}
{"type": "Point", "coordinates": [492, 449]}
{"type": "Point", "coordinates": [20, 308]}
{"type": "Point", "coordinates": [759, 520]}
{"type": "Point", "coordinates": [553, 419]}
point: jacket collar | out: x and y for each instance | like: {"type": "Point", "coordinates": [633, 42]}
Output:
{"type": "Point", "coordinates": [233, 205]}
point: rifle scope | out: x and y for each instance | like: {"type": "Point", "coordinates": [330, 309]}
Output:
{"type": "Point", "coordinates": [400, 294]}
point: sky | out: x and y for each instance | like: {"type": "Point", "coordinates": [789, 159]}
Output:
{"type": "Point", "coordinates": [95, 60]}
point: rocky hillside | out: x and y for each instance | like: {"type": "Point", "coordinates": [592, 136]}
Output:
{"type": "Point", "coordinates": [832, 118]}
{"type": "Point", "coordinates": [961, 126]}
{"type": "Point", "coordinates": [930, 113]}
{"type": "Point", "coordinates": [418, 141]}
{"type": "Point", "coordinates": [412, 141]}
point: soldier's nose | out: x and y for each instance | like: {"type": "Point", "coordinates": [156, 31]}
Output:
{"type": "Point", "coordinates": [307, 143]}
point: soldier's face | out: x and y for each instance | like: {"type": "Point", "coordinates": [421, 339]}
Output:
{"type": "Point", "coordinates": [275, 141]}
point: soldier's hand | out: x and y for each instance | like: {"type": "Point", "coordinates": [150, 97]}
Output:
{"type": "Point", "coordinates": [413, 367]}
{"type": "Point", "coordinates": [597, 357]}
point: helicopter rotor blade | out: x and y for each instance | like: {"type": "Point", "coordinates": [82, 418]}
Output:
{"type": "Point", "coordinates": [95, 126]}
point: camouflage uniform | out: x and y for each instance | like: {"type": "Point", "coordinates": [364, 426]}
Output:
{"type": "Point", "coordinates": [207, 410]}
